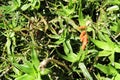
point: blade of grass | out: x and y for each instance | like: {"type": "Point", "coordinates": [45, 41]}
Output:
{"type": "Point", "coordinates": [85, 71]}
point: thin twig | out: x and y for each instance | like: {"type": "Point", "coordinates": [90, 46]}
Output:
{"type": "Point", "coordinates": [5, 72]}
{"type": "Point", "coordinates": [46, 61]}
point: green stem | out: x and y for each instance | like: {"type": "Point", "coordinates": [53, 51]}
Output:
{"type": "Point", "coordinates": [32, 37]}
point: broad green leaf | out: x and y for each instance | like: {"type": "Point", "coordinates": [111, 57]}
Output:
{"type": "Point", "coordinates": [24, 68]}
{"type": "Point", "coordinates": [110, 42]}
{"type": "Point", "coordinates": [25, 77]}
{"type": "Point", "coordinates": [25, 7]}
{"type": "Point", "coordinates": [85, 71]}
{"type": "Point", "coordinates": [70, 57]}
{"type": "Point", "coordinates": [102, 44]}
{"type": "Point", "coordinates": [109, 70]}
{"type": "Point", "coordinates": [104, 53]}
{"type": "Point", "coordinates": [101, 36]}
{"type": "Point", "coordinates": [117, 77]}
{"type": "Point", "coordinates": [117, 65]}
{"type": "Point", "coordinates": [113, 8]}
{"type": "Point", "coordinates": [113, 2]}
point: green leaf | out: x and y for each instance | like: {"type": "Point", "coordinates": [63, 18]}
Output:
{"type": "Point", "coordinates": [117, 77]}
{"type": "Point", "coordinates": [101, 36]}
{"type": "Point", "coordinates": [117, 48]}
{"type": "Point", "coordinates": [35, 4]}
{"type": "Point", "coordinates": [25, 77]}
{"type": "Point", "coordinates": [7, 9]}
{"type": "Point", "coordinates": [117, 65]}
{"type": "Point", "coordinates": [14, 5]}
{"type": "Point", "coordinates": [61, 40]}
{"type": "Point", "coordinates": [19, 2]}
{"type": "Point", "coordinates": [81, 17]}
{"type": "Point", "coordinates": [54, 36]}
{"type": "Point", "coordinates": [110, 42]}
{"type": "Point", "coordinates": [25, 7]}
{"type": "Point", "coordinates": [113, 2]}
{"type": "Point", "coordinates": [85, 71]}
{"type": "Point", "coordinates": [112, 58]}
{"type": "Point", "coordinates": [65, 10]}
{"type": "Point", "coordinates": [113, 8]}
{"type": "Point", "coordinates": [67, 47]}
{"type": "Point", "coordinates": [24, 68]}
{"type": "Point", "coordinates": [104, 53]}
{"type": "Point", "coordinates": [17, 71]}
{"type": "Point", "coordinates": [45, 71]}
{"type": "Point", "coordinates": [71, 57]}
{"type": "Point", "coordinates": [116, 27]}
{"type": "Point", "coordinates": [72, 23]}
{"type": "Point", "coordinates": [1, 25]}
{"type": "Point", "coordinates": [81, 55]}
{"type": "Point", "coordinates": [34, 56]}
{"type": "Point", "coordinates": [109, 70]}
{"type": "Point", "coordinates": [102, 44]}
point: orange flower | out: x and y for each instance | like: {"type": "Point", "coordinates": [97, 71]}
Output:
{"type": "Point", "coordinates": [82, 27]}
{"type": "Point", "coordinates": [84, 42]}
{"type": "Point", "coordinates": [83, 37]}
{"type": "Point", "coordinates": [83, 33]}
